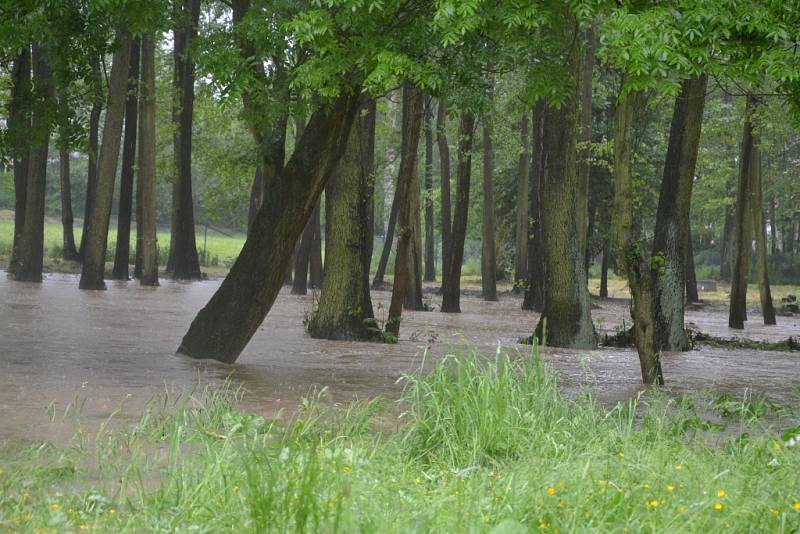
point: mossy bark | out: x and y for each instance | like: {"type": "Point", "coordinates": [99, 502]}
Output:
{"type": "Point", "coordinates": [566, 317]}
{"type": "Point", "coordinates": [672, 217]}
{"type": "Point", "coordinates": [406, 183]}
{"type": "Point", "coordinates": [451, 277]}
{"type": "Point", "coordinates": [345, 307]}
{"type": "Point", "coordinates": [147, 163]}
{"type": "Point", "coordinates": [97, 232]}
{"type": "Point", "coordinates": [225, 325]}
{"type": "Point", "coordinates": [122, 253]}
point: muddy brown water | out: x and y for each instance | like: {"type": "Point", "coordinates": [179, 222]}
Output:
{"type": "Point", "coordinates": [104, 354]}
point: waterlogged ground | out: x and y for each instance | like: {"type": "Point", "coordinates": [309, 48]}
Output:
{"type": "Point", "coordinates": [71, 358]}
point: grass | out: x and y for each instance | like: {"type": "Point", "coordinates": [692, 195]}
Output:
{"type": "Point", "coordinates": [481, 446]}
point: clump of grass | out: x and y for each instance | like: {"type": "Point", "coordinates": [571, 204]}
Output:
{"type": "Point", "coordinates": [484, 445]}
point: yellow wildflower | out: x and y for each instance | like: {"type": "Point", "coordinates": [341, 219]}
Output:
{"type": "Point", "coordinates": [417, 481]}
{"type": "Point", "coordinates": [236, 488]}
{"type": "Point", "coordinates": [721, 493]}
{"type": "Point", "coordinates": [776, 446]}
{"type": "Point", "coordinates": [718, 506]}
{"type": "Point", "coordinates": [2, 471]}
{"type": "Point", "coordinates": [796, 506]}
{"type": "Point", "coordinates": [773, 511]}
{"type": "Point", "coordinates": [55, 506]}
{"type": "Point", "coordinates": [622, 455]}
{"type": "Point", "coordinates": [653, 504]}
{"type": "Point", "coordinates": [678, 467]}
{"type": "Point", "coordinates": [681, 509]}
{"type": "Point", "coordinates": [112, 511]}
{"type": "Point", "coordinates": [670, 488]}
{"type": "Point", "coordinates": [551, 491]}
{"type": "Point", "coordinates": [346, 469]}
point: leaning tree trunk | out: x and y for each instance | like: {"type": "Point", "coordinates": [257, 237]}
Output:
{"type": "Point", "coordinates": [123, 251]}
{"type": "Point", "coordinates": [566, 319]}
{"type": "Point", "coordinates": [488, 252]}
{"type": "Point", "coordinates": [94, 150]}
{"type": "Point", "coordinates": [69, 252]}
{"type": "Point", "coordinates": [451, 276]}
{"type": "Point", "coordinates": [522, 232]}
{"type": "Point", "coordinates": [147, 163]}
{"type": "Point", "coordinates": [691, 275]}
{"type": "Point", "coordinates": [19, 125]}
{"type": "Point", "coordinates": [672, 215]}
{"type": "Point", "coordinates": [444, 181]}
{"type": "Point", "coordinates": [225, 325]}
{"type": "Point", "coordinates": [345, 307]}
{"type": "Point", "coordinates": [406, 182]}
{"type": "Point", "coordinates": [742, 227]}
{"type": "Point", "coordinates": [430, 242]}
{"type": "Point", "coordinates": [183, 263]}
{"type": "Point", "coordinates": [377, 281]}
{"type": "Point", "coordinates": [534, 289]}
{"type": "Point", "coordinates": [756, 205]}
{"type": "Point", "coordinates": [97, 233]}
{"type": "Point", "coordinates": [31, 245]}
{"type": "Point", "coordinates": [636, 266]}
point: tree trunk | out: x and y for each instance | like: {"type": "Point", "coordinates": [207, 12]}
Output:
{"type": "Point", "coordinates": [444, 184]}
{"type": "Point", "coordinates": [413, 293]}
{"type": "Point", "coordinates": [672, 215]}
{"type": "Point", "coordinates": [123, 252]}
{"type": "Point", "coordinates": [31, 245]}
{"type": "Point", "coordinates": [633, 264]}
{"type": "Point", "coordinates": [69, 252]}
{"type": "Point", "coordinates": [147, 163]}
{"type": "Point", "coordinates": [604, 269]}
{"type": "Point", "coordinates": [742, 224]}
{"type": "Point", "coordinates": [522, 232]}
{"type": "Point", "coordinates": [773, 228]}
{"type": "Point", "coordinates": [301, 259]}
{"type": "Point", "coordinates": [584, 140]}
{"type": "Point", "coordinates": [430, 242]}
{"type": "Point", "coordinates": [406, 183]}
{"type": "Point", "coordinates": [488, 253]}
{"type": "Point", "coordinates": [316, 270]}
{"type": "Point", "coordinates": [691, 277]}
{"type": "Point", "coordinates": [256, 193]}
{"type": "Point", "coordinates": [94, 151]}
{"type": "Point", "coordinates": [534, 290]}
{"type": "Point", "coordinates": [19, 125]}
{"type": "Point", "coordinates": [223, 328]}
{"type": "Point", "coordinates": [756, 206]}
{"type": "Point", "coordinates": [377, 281]}
{"type": "Point", "coordinates": [451, 276]}
{"type": "Point", "coordinates": [184, 263]}
{"type": "Point", "coordinates": [726, 247]}
{"type": "Point", "coordinates": [566, 318]}
{"type": "Point", "coordinates": [97, 232]}
{"type": "Point", "coordinates": [345, 306]}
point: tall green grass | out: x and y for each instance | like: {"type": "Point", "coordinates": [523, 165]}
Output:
{"type": "Point", "coordinates": [481, 445]}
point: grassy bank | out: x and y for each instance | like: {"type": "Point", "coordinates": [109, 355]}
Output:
{"type": "Point", "coordinates": [478, 448]}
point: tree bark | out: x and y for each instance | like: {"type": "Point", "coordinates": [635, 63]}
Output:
{"type": "Point", "coordinates": [451, 276]}
{"type": "Point", "coordinates": [413, 293]}
{"type": "Point", "coordinates": [31, 245]}
{"type": "Point", "coordinates": [726, 246]}
{"type": "Point", "coordinates": [430, 241]}
{"type": "Point", "coordinates": [566, 318]}
{"type": "Point", "coordinates": [522, 232]}
{"type": "Point", "coordinates": [444, 184]}
{"type": "Point", "coordinates": [316, 268]}
{"type": "Point", "coordinates": [604, 269]}
{"type": "Point", "coordinates": [377, 281]}
{"type": "Point", "coordinates": [183, 263]}
{"type": "Point", "coordinates": [256, 193]}
{"type": "Point", "coordinates": [123, 251]}
{"type": "Point", "coordinates": [225, 325]}
{"type": "Point", "coordinates": [406, 182]}
{"type": "Point", "coordinates": [534, 290]}
{"type": "Point", "coordinates": [301, 259]}
{"type": "Point", "coordinates": [672, 215]}
{"type": "Point", "coordinates": [94, 151]}
{"type": "Point", "coordinates": [19, 125]}
{"type": "Point", "coordinates": [147, 163]}
{"type": "Point", "coordinates": [488, 252]}
{"type": "Point", "coordinates": [691, 277]}
{"type": "Point", "coordinates": [585, 139]}
{"type": "Point", "coordinates": [97, 233]}
{"type": "Point", "coordinates": [69, 252]}
{"type": "Point", "coordinates": [345, 306]}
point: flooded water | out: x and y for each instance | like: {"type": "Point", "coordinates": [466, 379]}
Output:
{"type": "Point", "coordinates": [105, 354]}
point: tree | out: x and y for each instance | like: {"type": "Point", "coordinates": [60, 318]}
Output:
{"type": "Point", "coordinates": [69, 252]}
{"type": "Point", "coordinates": [430, 255]}
{"type": "Point", "coordinates": [19, 123]}
{"type": "Point", "coordinates": [147, 163]}
{"type": "Point", "coordinates": [534, 290]}
{"type": "Point", "coordinates": [522, 209]}
{"type": "Point", "coordinates": [97, 232]}
{"type": "Point", "coordinates": [444, 182]}
{"type": "Point", "coordinates": [94, 150]}
{"type": "Point", "coordinates": [488, 256]}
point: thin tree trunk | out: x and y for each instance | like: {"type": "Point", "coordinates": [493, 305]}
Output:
{"type": "Point", "coordinates": [406, 183]}
{"type": "Point", "coordinates": [691, 277]}
{"type": "Point", "coordinates": [345, 307]}
{"type": "Point", "coordinates": [94, 151]}
{"type": "Point", "coordinates": [604, 269]}
{"type": "Point", "coordinates": [672, 215]}
{"type": "Point", "coordinates": [31, 245]}
{"type": "Point", "coordinates": [742, 224]}
{"type": "Point", "coordinates": [97, 233]}
{"type": "Point", "coordinates": [584, 140]}
{"type": "Point", "coordinates": [773, 229]}
{"type": "Point", "coordinates": [726, 247]}
{"type": "Point", "coordinates": [19, 125]}
{"type": "Point", "coordinates": [184, 264]}
{"type": "Point", "coordinates": [377, 281]}
{"type": "Point", "coordinates": [756, 205]}
{"type": "Point", "coordinates": [316, 268]}
{"type": "Point", "coordinates": [444, 184]}
{"type": "Point", "coordinates": [147, 163]}
{"type": "Point", "coordinates": [522, 232]}
{"type": "Point", "coordinates": [413, 293]}
{"type": "Point", "coordinates": [451, 276]}
{"type": "Point", "coordinates": [534, 290]}
{"type": "Point", "coordinates": [430, 244]}
{"type": "Point", "coordinates": [69, 252]}
{"type": "Point", "coordinates": [225, 325]}
{"type": "Point", "coordinates": [123, 251]}
{"type": "Point", "coordinates": [488, 253]}
{"type": "Point", "coordinates": [302, 256]}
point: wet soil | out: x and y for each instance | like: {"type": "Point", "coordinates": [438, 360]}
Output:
{"type": "Point", "coordinates": [104, 355]}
